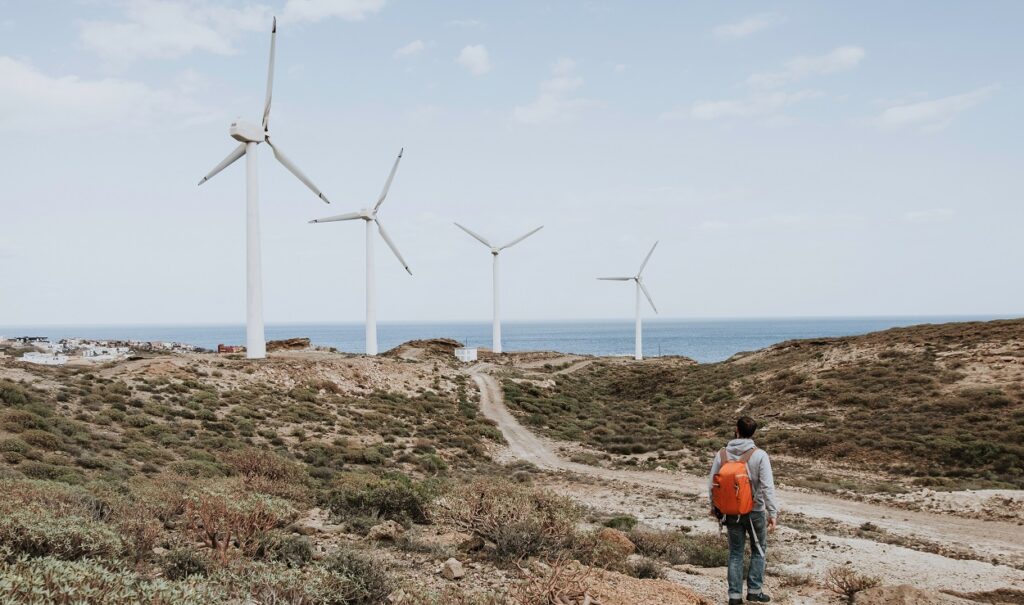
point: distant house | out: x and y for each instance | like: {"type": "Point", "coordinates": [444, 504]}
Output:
{"type": "Point", "coordinates": [45, 359]}
{"type": "Point", "coordinates": [466, 354]}
{"type": "Point", "coordinates": [230, 349]}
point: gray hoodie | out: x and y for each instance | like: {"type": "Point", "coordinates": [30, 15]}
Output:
{"type": "Point", "coordinates": [759, 469]}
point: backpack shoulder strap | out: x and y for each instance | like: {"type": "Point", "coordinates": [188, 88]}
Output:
{"type": "Point", "coordinates": [745, 458]}
{"type": "Point", "coordinates": [723, 457]}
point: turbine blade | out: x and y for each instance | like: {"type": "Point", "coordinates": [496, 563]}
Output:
{"type": "Point", "coordinates": [392, 245]}
{"type": "Point", "coordinates": [391, 177]}
{"type": "Point", "coordinates": [615, 278]}
{"type": "Point", "coordinates": [647, 294]}
{"type": "Point", "coordinates": [517, 240]}
{"type": "Point", "coordinates": [281, 157]}
{"type": "Point", "coordinates": [232, 157]}
{"type": "Point", "coordinates": [348, 216]}
{"type": "Point", "coordinates": [644, 264]}
{"type": "Point", "coordinates": [476, 236]}
{"type": "Point", "coordinates": [270, 75]}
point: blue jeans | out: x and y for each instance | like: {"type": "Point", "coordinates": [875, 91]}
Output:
{"type": "Point", "coordinates": [737, 537]}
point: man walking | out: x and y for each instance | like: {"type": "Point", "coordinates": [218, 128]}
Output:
{"type": "Point", "coordinates": [742, 491]}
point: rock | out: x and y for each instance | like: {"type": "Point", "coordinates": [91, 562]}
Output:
{"type": "Point", "coordinates": [397, 597]}
{"type": "Point", "coordinates": [616, 540]}
{"type": "Point", "coordinates": [388, 530]}
{"type": "Point", "coordinates": [904, 595]}
{"type": "Point", "coordinates": [310, 523]}
{"type": "Point", "coordinates": [158, 551]}
{"type": "Point", "coordinates": [289, 344]}
{"type": "Point", "coordinates": [452, 569]}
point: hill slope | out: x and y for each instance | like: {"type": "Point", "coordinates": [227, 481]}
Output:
{"type": "Point", "coordinates": [941, 403]}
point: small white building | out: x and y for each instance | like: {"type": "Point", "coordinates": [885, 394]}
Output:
{"type": "Point", "coordinates": [45, 359]}
{"type": "Point", "coordinates": [466, 354]}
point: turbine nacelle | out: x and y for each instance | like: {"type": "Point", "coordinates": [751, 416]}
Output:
{"type": "Point", "coordinates": [247, 132]}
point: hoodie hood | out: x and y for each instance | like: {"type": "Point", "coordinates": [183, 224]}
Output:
{"type": "Point", "coordinates": [736, 447]}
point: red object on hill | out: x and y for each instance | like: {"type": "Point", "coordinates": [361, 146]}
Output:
{"type": "Point", "coordinates": [230, 349]}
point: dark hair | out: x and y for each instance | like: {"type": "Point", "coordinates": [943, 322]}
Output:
{"type": "Point", "coordinates": [746, 426]}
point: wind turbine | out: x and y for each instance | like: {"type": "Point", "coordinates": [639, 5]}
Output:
{"type": "Point", "coordinates": [250, 135]}
{"type": "Point", "coordinates": [495, 250]}
{"type": "Point", "coordinates": [369, 215]}
{"type": "Point", "coordinates": [638, 354]}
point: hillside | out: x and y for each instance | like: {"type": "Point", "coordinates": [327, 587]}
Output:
{"type": "Point", "coordinates": [943, 404]}
{"type": "Point", "coordinates": [320, 478]}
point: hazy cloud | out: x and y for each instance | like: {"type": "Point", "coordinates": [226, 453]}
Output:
{"type": "Point", "coordinates": [555, 102]}
{"type": "Point", "coordinates": [471, 23]}
{"type": "Point", "coordinates": [410, 50]}
{"type": "Point", "coordinates": [318, 10]}
{"type": "Point", "coordinates": [756, 105]}
{"type": "Point", "coordinates": [167, 29]}
{"type": "Point", "coordinates": [33, 101]}
{"type": "Point", "coordinates": [476, 59]}
{"type": "Point", "coordinates": [840, 59]}
{"type": "Point", "coordinates": [934, 115]}
{"type": "Point", "coordinates": [747, 26]}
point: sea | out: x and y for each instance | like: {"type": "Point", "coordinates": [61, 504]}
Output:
{"type": "Point", "coordinates": [705, 340]}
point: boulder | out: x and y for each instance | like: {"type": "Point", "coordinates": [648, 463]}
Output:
{"type": "Point", "coordinates": [388, 531]}
{"type": "Point", "coordinates": [452, 569]}
{"type": "Point", "coordinates": [905, 595]}
{"type": "Point", "coordinates": [288, 344]}
{"type": "Point", "coordinates": [616, 541]}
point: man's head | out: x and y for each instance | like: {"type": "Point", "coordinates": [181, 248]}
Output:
{"type": "Point", "coordinates": [745, 427]}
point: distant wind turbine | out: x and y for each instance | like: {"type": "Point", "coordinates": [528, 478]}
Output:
{"type": "Point", "coordinates": [638, 354]}
{"type": "Point", "coordinates": [495, 250]}
{"type": "Point", "coordinates": [249, 136]}
{"type": "Point", "coordinates": [369, 215]}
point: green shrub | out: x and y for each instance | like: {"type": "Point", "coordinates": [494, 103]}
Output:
{"type": "Point", "coordinates": [42, 439]}
{"type": "Point", "coordinates": [391, 496]}
{"type": "Point", "coordinates": [91, 583]}
{"type": "Point", "coordinates": [13, 444]}
{"type": "Point", "coordinates": [17, 421]}
{"type": "Point", "coordinates": [702, 550]}
{"type": "Point", "coordinates": [183, 563]}
{"type": "Point", "coordinates": [364, 582]}
{"type": "Point", "coordinates": [621, 522]}
{"type": "Point", "coordinates": [292, 550]}
{"type": "Point", "coordinates": [36, 532]}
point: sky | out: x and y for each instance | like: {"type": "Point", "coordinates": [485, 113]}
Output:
{"type": "Point", "coordinates": [791, 158]}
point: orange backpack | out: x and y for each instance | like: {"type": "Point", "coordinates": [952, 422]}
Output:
{"type": "Point", "coordinates": [730, 487]}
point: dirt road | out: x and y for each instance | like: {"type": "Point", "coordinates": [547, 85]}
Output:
{"type": "Point", "coordinates": [990, 539]}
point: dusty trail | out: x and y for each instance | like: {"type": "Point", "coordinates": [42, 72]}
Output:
{"type": "Point", "coordinates": [990, 539]}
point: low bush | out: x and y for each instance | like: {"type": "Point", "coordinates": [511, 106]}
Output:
{"type": "Point", "coordinates": [702, 550]}
{"type": "Point", "coordinates": [847, 582]}
{"type": "Point", "coordinates": [390, 496]}
{"type": "Point", "coordinates": [36, 532]}
{"type": "Point", "coordinates": [292, 550]}
{"type": "Point", "coordinates": [522, 521]}
{"type": "Point", "coordinates": [621, 522]}
{"type": "Point", "coordinates": [222, 515]}
{"type": "Point", "coordinates": [182, 563]}
{"type": "Point", "coordinates": [362, 580]}
{"type": "Point", "coordinates": [53, 581]}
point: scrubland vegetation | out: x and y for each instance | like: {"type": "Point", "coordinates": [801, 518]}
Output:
{"type": "Point", "coordinates": [941, 404]}
{"type": "Point", "coordinates": [188, 484]}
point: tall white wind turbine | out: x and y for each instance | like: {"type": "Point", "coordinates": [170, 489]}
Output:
{"type": "Point", "coordinates": [495, 250]}
{"type": "Point", "coordinates": [250, 135]}
{"type": "Point", "coordinates": [369, 216]}
{"type": "Point", "coordinates": [638, 353]}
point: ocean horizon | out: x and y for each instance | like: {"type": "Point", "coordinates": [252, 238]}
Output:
{"type": "Point", "coordinates": [705, 340]}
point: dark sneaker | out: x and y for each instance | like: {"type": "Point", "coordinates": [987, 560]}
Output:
{"type": "Point", "coordinates": [759, 598]}
{"type": "Point", "coordinates": [735, 601]}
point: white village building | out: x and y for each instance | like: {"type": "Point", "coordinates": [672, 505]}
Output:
{"type": "Point", "coordinates": [466, 354]}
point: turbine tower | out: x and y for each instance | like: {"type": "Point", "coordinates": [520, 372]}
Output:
{"type": "Point", "coordinates": [250, 135]}
{"type": "Point", "coordinates": [369, 215]}
{"type": "Point", "coordinates": [495, 250]}
{"type": "Point", "coordinates": [638, 354]}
